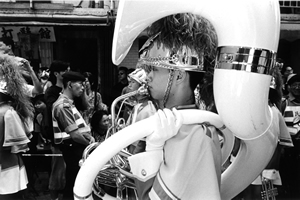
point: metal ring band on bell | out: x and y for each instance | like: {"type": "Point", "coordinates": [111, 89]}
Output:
{"type": "Point", "coordinates": [82, 198]}
{"type": "Point", "coordinates": [247, 59]}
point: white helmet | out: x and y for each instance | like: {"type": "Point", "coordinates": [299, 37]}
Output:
{"type": "Point", "coordinates": [138, 75]}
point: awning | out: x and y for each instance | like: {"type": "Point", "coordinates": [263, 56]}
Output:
{"type": "Point", "coordinates": [50, 14]}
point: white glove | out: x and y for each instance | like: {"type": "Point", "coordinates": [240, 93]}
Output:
{"type": "Point", "coordinates": [167, 124]}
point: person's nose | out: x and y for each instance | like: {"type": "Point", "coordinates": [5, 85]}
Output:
{"type": "Point", "coordinates": [149, 77]}
{"type": "Point", "coordinates": [106, 123]}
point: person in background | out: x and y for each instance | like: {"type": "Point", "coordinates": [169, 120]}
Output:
{"type": "Point", "coordinates": [32, 84]}
{"type": "Point", "coordinates": [94, 98]}
{"type": "Point", "coordinates": [270, 176]}
{"type": "Point", "coordinates": [40, 119]}
{"type": "Point", "coordinates": [122, 81]}
{"type": "Point", "coordinates": [118, 88]}
{"type": "Point", "coordinates": [143, 106]}
{"type": "Point", "coordinates": [71, 132]}
{"type": "Point", "coordinates": [285, 89]}
{"type": "Point", "coordinates": [7, 47]}
{"type": "Point", "coordinates": [291, 159]}
{"type": "Point", "coordinates": [204, 93]}
{"type": "Point", "coordinates": [44, 77]}
{"type": "Point", "coordinates": [100, 123]}
{"type": "Point", "coordinates": [15, 110]}
{"type": "Point", "coordinates": [38, 143]}
{"type": "Point", "coordinates": [57, 179]}
{"type": "Point", "coordinates": [125, 89]}
{"type": "Point", "coordinates": [287, 72]}
{"type": "Point", "coordinates": [57, 69]}
{"type": "Point", "coordinates": [128, 105]}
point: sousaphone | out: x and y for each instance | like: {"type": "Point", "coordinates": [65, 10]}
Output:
{"type": "Point", "coordinates": [247, 45]}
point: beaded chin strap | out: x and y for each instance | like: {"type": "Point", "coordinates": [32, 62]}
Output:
{"type": "Point", "coordinates": [169, 86]}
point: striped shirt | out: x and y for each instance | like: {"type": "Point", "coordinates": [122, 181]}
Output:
{"type": "Point", "coordinates": [66, 118]}
{"type": "Point", "coordinates": [291, 115]}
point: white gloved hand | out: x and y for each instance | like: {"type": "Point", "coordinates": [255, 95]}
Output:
{"type": "Point", "coordinates": [167, 124]}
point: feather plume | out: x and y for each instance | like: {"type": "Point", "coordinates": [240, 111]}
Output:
{"type": "Point", "coordinates": [187, 29]}
{"type": "Point", "coordinates": [15, 83]}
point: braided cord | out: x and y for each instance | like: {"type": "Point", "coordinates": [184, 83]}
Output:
{"type": "Point", "coordinates": [169, 85]}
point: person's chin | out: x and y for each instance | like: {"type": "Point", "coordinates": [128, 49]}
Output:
{"type": "Point", "coordinates": [152, 94]}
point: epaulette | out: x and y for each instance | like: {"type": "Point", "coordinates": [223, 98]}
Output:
{"type": "Point", "coordinates": [63, 103]}
{"type": "Point", "coordinates": [66, 103]}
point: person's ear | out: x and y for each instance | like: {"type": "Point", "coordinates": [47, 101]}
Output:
{"type": "Point", "coordinates": [180, 76]}
{"type": "Point", "coordinates": [55, 73]}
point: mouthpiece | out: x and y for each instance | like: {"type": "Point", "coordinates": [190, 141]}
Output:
{"type": "Point", "coordinates": [143, 90]}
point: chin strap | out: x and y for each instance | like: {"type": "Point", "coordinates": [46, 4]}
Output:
{"type": "Point", "coordinates": [169, 85]}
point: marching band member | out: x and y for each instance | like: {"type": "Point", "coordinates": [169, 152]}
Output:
{"type": "Point", "coordinates": [143, 107]}
{"type": "Point", "coordinates": [137, 79]}
{"type": "Point", "coordinates": [185, 165]}
{"type": "Point", "coordinates": [15, 110]}
{"type": "Point", "coordinates": [183, 156]}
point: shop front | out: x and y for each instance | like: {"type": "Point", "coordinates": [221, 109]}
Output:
{"type": "Point", "coordinates": [82, 36]}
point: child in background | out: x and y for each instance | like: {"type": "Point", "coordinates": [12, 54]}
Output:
{"type": "Point", "coordinates": [100, 123]}
{"type": "Point", "coordinates": [143, 108]}
{"type": "Point", "coordinates": [40, 120]}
